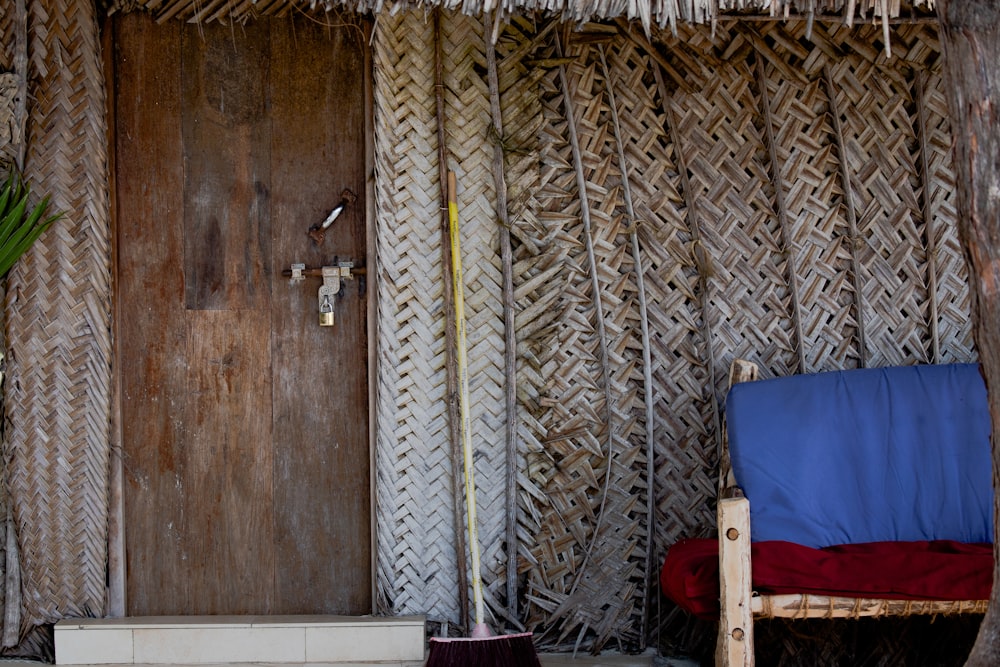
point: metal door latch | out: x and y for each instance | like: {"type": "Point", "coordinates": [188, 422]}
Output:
{"type": "Point", "coordinates": [332, 281]}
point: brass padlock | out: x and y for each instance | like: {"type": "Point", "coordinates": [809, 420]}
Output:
{"type": "Point", "coordinates": [326, 312]}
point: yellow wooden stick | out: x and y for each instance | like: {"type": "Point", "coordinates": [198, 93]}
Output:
{"type": "Point", "coordinates": [480, 629]}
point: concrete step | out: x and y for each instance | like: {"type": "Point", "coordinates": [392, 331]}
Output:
{"type": "Point", "coordinates": [200, 640]}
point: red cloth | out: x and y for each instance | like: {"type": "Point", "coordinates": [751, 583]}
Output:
{"type": "Point", "coordinates": [939, 570]}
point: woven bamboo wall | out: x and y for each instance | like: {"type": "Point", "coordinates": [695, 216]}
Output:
{"type": "Point", "coordinates": [416, 541]}
{"type": "Point", "coordinates": [739, 221]}
{"type": "Point", "coordinates": [416, 476]}
{"type": "Point", "coordinates": [57, 323]}
{"type": "Point", "coordinates": [748, 248]}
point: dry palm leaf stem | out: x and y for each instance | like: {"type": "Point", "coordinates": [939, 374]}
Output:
{"type": "Point", "coordinates": [647, 372]}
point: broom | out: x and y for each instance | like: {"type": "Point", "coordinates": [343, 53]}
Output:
{"type": "Point", "coordinates": [483, 649]}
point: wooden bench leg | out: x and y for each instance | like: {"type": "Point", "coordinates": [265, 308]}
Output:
{"type": "Point", "coordinates": [735, 643]}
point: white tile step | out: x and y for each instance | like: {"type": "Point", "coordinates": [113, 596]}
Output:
{"type": "Point", "coordinates": [201, 640]}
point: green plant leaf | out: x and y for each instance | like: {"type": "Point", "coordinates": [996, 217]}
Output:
{"type": "Point", "coordinates": [8, 189]}
{"type": "Point", "coordinates": [19, 227]}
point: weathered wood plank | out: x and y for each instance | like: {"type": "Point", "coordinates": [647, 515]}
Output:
{"type": "Point", "coordinates": [152, 328]}
{"type": "Point", "coordinates": [227, 153]}
{"type": "Point", "coordinates": [322, 461]}
{"type": "Point", "coordinates": [225, 542]}
{"type": "Point", "coordinates": [244, 496]}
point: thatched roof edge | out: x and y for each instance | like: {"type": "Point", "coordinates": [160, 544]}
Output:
{"type": "Point", "coordinates": [662, 13]}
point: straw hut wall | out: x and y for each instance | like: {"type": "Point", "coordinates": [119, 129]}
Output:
{"type": "Point", "coordinates": [779, 191]}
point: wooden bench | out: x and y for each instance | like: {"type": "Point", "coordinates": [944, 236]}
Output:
{"type": "Point", "coordinates": [913, 442]}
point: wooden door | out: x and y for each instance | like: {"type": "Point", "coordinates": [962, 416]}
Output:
{"type": "Point", "coordinates": [244, 423]}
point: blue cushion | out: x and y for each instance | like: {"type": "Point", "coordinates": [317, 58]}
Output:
{"type": "Point", "coordinates": [872, 455]}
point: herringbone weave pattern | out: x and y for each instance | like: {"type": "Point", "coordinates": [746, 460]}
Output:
{"type": "Point", "coordinates": [875, 98]}
{"type": "Point", "coordinates": [58, 310]}
{"type": "Point", "coordinates": [468, 125]}
{"type": "Point", "coordinates": [412, 240]}
{"type": "Point", "coordinates": [415, 532]}
{"type": "Point", "coordinates": [730, 204]}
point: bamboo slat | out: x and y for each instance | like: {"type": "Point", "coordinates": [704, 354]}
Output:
{"type": "Point", "coordinates": [648, 569]}
{"type": "Point", "coordinates": [522, 114]}
{"type": "Point", "coordinates": [509, 337]}
{"type": "Point", "coordinates": [571, 604]}
{"type": "Point", "coordinates": [930, 223]}
{"type": "Point", "coordinates": [602, 592]}
{"type": "Point", "coordinates": [952, 284]}
{"type": "Point", "coordinates": [787, 247]}
{"type": "Point", "coordinates": [805, 145]}
{"type": "Point", "coordinates": [854, 240]}
{"type": "Point", "coordinates": [726, 157]}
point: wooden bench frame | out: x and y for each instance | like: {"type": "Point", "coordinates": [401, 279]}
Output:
{"type": "Point", "coordinates": [740, 605]}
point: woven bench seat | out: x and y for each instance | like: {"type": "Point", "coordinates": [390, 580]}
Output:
{"type": "Point", "coordinates": [882, 578]}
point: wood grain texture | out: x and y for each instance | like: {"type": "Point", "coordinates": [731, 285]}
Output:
{"type": "Point", "coordinates": [245, 424]}
{"type": "Point", "coordinates": [971, 45]}
{"type": "Point", "coordinates": [226, 535]}
{"type": "Point", "coordinates": [735, 641]}
{"type": "Point", "coordinates": [320, 377]}
{"type": "Point", "coordinates": [152, 328]}
{"type": "Point", "coordinates": [226, 127]}
{"type": "Point", "coordinates": [794, 605]}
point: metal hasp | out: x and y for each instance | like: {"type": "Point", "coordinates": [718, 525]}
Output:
{"type": "Point", "coordinates": [318, 231]}
{"type": "Point", "coordinates": [328, 291]}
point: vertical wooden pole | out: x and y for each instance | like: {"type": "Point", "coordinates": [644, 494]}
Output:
{"type": "Point", "coordinates": [734, 647]}
{"type": "Point", "coordinates": [454, 421]}
{"type": "Point", "coordinates": [117, 600]}
{"type": "Point", "coordinates": [371, 254]}
{"type": "Point", "coordinates": [970, 37]}
{"type": "Point", "coordinates": [647, 364]}
{"type": "Point", "coordinates": [510, 341]}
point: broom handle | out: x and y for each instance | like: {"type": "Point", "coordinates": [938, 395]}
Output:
{"type": "Point", "coordinates": [463, 400]}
